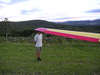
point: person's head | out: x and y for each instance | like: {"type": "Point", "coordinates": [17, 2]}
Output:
{"type": "Point", "coordinates": [39, 32]}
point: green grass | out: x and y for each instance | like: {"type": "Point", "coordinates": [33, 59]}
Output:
{"type": "Point", "coordinates": [65, 58]}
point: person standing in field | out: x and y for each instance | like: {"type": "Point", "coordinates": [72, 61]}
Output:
{"type": "Point", "coordinates": [38, 44]}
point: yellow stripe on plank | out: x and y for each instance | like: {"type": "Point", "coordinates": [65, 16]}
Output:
{"type": "Point", "coordinates": [95, 35]}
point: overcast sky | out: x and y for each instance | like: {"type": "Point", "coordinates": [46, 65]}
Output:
{"type": "Point", "coordinates": [50, 10]}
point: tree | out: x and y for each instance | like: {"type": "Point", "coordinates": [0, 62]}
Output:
{"type": "Point", "coordinates": [8, 27]}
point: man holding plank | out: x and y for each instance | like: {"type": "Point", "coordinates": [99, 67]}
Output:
{"type": "Point", "coordinates": [38, 44]}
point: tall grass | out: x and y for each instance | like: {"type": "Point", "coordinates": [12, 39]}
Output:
{"type": "Point", "coordinates": [60, 56]}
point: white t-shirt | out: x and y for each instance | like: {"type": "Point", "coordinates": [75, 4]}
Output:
{"type": "Point", "coordinates": [38, 39]}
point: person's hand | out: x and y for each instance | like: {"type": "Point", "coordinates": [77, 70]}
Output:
{"type": "Point", "coordinates": [35, 42]}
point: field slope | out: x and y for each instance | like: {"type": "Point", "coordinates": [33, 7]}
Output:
{"type": "Point", "coordinates": [65, 58]}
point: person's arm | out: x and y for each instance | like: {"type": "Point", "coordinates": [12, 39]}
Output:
{"type": "Point", "coordinates": [35, 42]}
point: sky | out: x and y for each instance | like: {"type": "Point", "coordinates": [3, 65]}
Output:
{"type": "Point", "coordinates": [50, 10]}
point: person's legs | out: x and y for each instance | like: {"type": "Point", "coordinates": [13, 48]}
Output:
{"type": "Point", "coordinates": [38, 54]}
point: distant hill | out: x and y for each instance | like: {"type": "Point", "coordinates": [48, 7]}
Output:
{"type": "Point", "coordinates": [72, 25]}
{"type": "Point", "coordinates": [31, 24]}
{"type": "Point", "coordinates": [85, 23]}
{"type": "Point", "coordinates": [25, 28]}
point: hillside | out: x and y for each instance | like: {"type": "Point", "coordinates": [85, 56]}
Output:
{"type": "Point", "coordinates": [28, 26]}
{"type": "Point", "coordinates": [32, 24]}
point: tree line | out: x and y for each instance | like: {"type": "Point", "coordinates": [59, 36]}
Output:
{"type": "Point", "coordinates": [26, 28]}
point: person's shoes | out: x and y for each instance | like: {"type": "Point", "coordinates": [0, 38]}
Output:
{"type": "Point", "coordinates": [38, 59]}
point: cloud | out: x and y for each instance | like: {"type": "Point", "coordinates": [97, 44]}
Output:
{"type": "Point", "coordinates": [5, 1]}
{"type": "Point", "coordinates": [25, 12]}
{"type": "Point", "coordinates": [17, 1]}
{"type": "Point", "coordinates": [48, 9]}
{"type": "Point", "coordinates": [93, 11]}
{"type": "Point", "coordinates": [64, 19]}
{"type": "Point", "coordinates": [2, 18]}
{"type": "Point", "coordinates": [1, 6]}
{"type": "Point", "coordinates": [12, 2]}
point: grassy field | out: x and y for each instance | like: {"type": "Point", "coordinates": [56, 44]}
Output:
{"type": "Point", "coordinates": [64, 58]}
